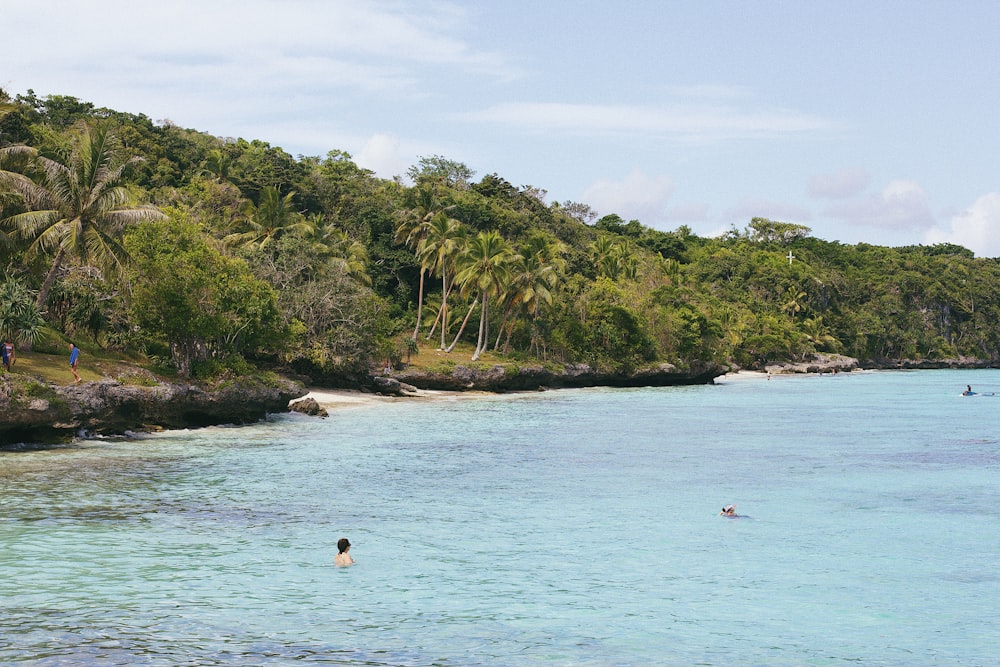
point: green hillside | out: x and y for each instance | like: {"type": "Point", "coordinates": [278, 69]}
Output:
{"type": "Point", "coordinates": [198, 253]}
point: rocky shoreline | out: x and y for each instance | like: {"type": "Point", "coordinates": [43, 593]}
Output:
{"type": "Point", "coordinates": [500, 378]}
{"type": "Point", "coordinates": [838, 363]}
{"type": "Point", "coordinates": [38, 412]}
{"type": "Point", "coordinates": [35, 412]}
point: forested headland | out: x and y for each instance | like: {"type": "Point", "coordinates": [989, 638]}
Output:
{"type": "Point", "coordinates": [205, 255]}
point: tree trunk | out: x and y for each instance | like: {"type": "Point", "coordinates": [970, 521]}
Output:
{"type": "Point", "coordinates": [444, 305]}
{"type": "Point", "coordinates": [461, 329]}
{"type": "Point", "coordinates": [510, 330]}
{"type": "Point", "coordinates": [420, 305]}
{"type": "Point", "coordinates": [506, 320]}
{"type": "Point", "coordinates": [50, 277]}
{"type": "Point", "coordinates": [484, 330]}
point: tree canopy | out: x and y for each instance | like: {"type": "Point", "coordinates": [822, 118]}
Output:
{"type": "Point", "coordinates": [149, 237]}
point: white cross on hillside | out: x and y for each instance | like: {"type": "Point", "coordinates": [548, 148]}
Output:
{"type": "Point", "coordinates": [790, 256]}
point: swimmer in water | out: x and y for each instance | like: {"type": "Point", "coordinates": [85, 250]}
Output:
{"type": "Point", "coordinates": [343, 558]}
{"type": "Point", "coordinates": [728, 510]}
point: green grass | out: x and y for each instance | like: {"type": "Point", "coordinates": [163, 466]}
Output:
{"type": "Point", "coordinates": [92, 366]}
{"type": "Point", "coordinates": [432, 359]}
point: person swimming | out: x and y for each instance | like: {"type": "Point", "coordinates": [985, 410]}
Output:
{"type": "Point", "coordinates": [728, 510]}
{"type": "Point", "coordinates": [343, 558]}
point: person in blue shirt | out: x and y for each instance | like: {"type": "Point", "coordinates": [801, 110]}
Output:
{"type": "Point", "coordinates": [8, 354]}
{"type": "Point", "coordinates": [74, 358]}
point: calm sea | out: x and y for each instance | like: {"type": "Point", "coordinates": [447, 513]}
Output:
{"type": "Point", "coordinates": [573, 527]}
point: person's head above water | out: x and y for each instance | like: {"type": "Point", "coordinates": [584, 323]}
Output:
{"type": "Point", "coordinates": [343, 545]}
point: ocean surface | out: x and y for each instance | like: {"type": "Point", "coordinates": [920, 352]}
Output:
{"type": "Point", "coordinates": [571, 527]}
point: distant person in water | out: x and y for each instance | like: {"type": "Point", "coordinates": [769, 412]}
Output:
{"type": "Point", "coordinates": [728, 510]}
{"type": "Point", "coordinates": [968, 390]}
{"type": "Point", "coordinates": [343, 557]}
{"type": "Point", "coordinates": [74, 358]}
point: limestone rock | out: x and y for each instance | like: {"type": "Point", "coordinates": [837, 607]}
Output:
{"type": "Point", "coordinates": [34, 411]}
{"type": "Point", "coordinates": [309, 406]}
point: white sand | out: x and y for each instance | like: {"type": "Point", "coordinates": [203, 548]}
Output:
{"type": "Point", "coordinates": [345, 398]}
{"type": "Point", "coordinates": [742, 375]}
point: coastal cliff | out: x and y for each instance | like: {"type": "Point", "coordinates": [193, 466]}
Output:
{"type": "Point", "coordinates": [38, 412]}
{"type": "Point", "coordinates": [535, 376]}
{"type": "Point", "coordinates": [838, 363]}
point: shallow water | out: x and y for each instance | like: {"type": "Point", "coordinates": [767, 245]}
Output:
{"type": "Point", "coordinates": [575, 527]}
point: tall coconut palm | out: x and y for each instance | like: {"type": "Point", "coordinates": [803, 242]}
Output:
{"type": "Point", "coordinates": [412, 229]}
{"type": "Point", "coordinates": [534, 274]}
{"type": "Point", "coordinates": [80, 205]}
{"type": "Point", "coordinates": [437, 252]}
{"type": "Point", "coordinates": [485, 269]}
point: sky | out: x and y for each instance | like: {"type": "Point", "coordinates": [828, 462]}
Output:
{"type": "Point", "coordinates": [874, 122]}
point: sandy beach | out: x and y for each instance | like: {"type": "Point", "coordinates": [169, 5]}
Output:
{"type": "Point", "coordinates": [346, 398]}
{"type": "Point", "coordinates": [742, 375]}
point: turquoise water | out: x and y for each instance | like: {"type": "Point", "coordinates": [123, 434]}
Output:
{"type": "Point", "coordinates": [575, 527]}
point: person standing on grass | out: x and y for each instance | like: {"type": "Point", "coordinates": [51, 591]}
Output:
{"type": "Point", "coordinates": [74, 358]}
{"type": "Point", "coordinates": [9, 355]}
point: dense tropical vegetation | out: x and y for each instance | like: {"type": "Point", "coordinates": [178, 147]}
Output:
{"type": "Point", "coordinates": [203, 252]}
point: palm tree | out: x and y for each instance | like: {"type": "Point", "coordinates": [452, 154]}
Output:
{"type": "Point", "coordinates": [348, 254]}
{"type": "Point", "coordinates": [602, 252]}
{"type": "Point", "coordinates": [218, 164]}
{"type": "Point", "coordinates": [485, 269]}
{"type": "Point", "coordinates": [534, 274]}
{"type": "Point", "coordinates": [793, 303]}
{"type": "Point", "coordinates": [628, 263]}
{"type": "Point", "coordinates": [79, 205]}
{"type": "Point", "coordinates": [818, 333]}
{"type": "Point", "coordinates": [614, 259]}
{"type": "Point", "coordinates": [437, 252]}
{"type": "Point", "coordinates": [412, 229]}
{"type": "Point", "coordinates": [268, 221]}
{"type": "Point", "coordinates": [13, 160]}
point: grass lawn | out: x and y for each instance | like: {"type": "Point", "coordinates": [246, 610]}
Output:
{"type": "Point", "coordinates": [54, 368]}
{"type": "Point", "coordinates": [430, 357]}
{"type": "Point", "coordinates": [96, 364]}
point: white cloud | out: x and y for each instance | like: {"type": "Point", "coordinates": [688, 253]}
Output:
{"type": "Point", "coordinates": [977, 228]}
{"type": "Point", "coordinates": [381, 154]}
{"type": "Point", "coordinates": [684, 121]}
{"type": "Point", "coordinates": [902, 205]}
{"type": "Point", "coordinates": [637, 197]}
{"type": "Point", "coordinates": [241, 30]}
{"type": "Point", "coordinates": [687, 213]}
{"type": "Point", "coordinates": [841, 185]}
{"type": "Point", "coordinates": [231, 64]}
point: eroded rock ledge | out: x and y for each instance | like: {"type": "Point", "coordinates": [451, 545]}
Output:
{"type": "Point", "coordinates": [838, 363]}
{"type": "Point", "coordinates": [530, 377]}
{"type": "Point", "coordinates": [40, 413]}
